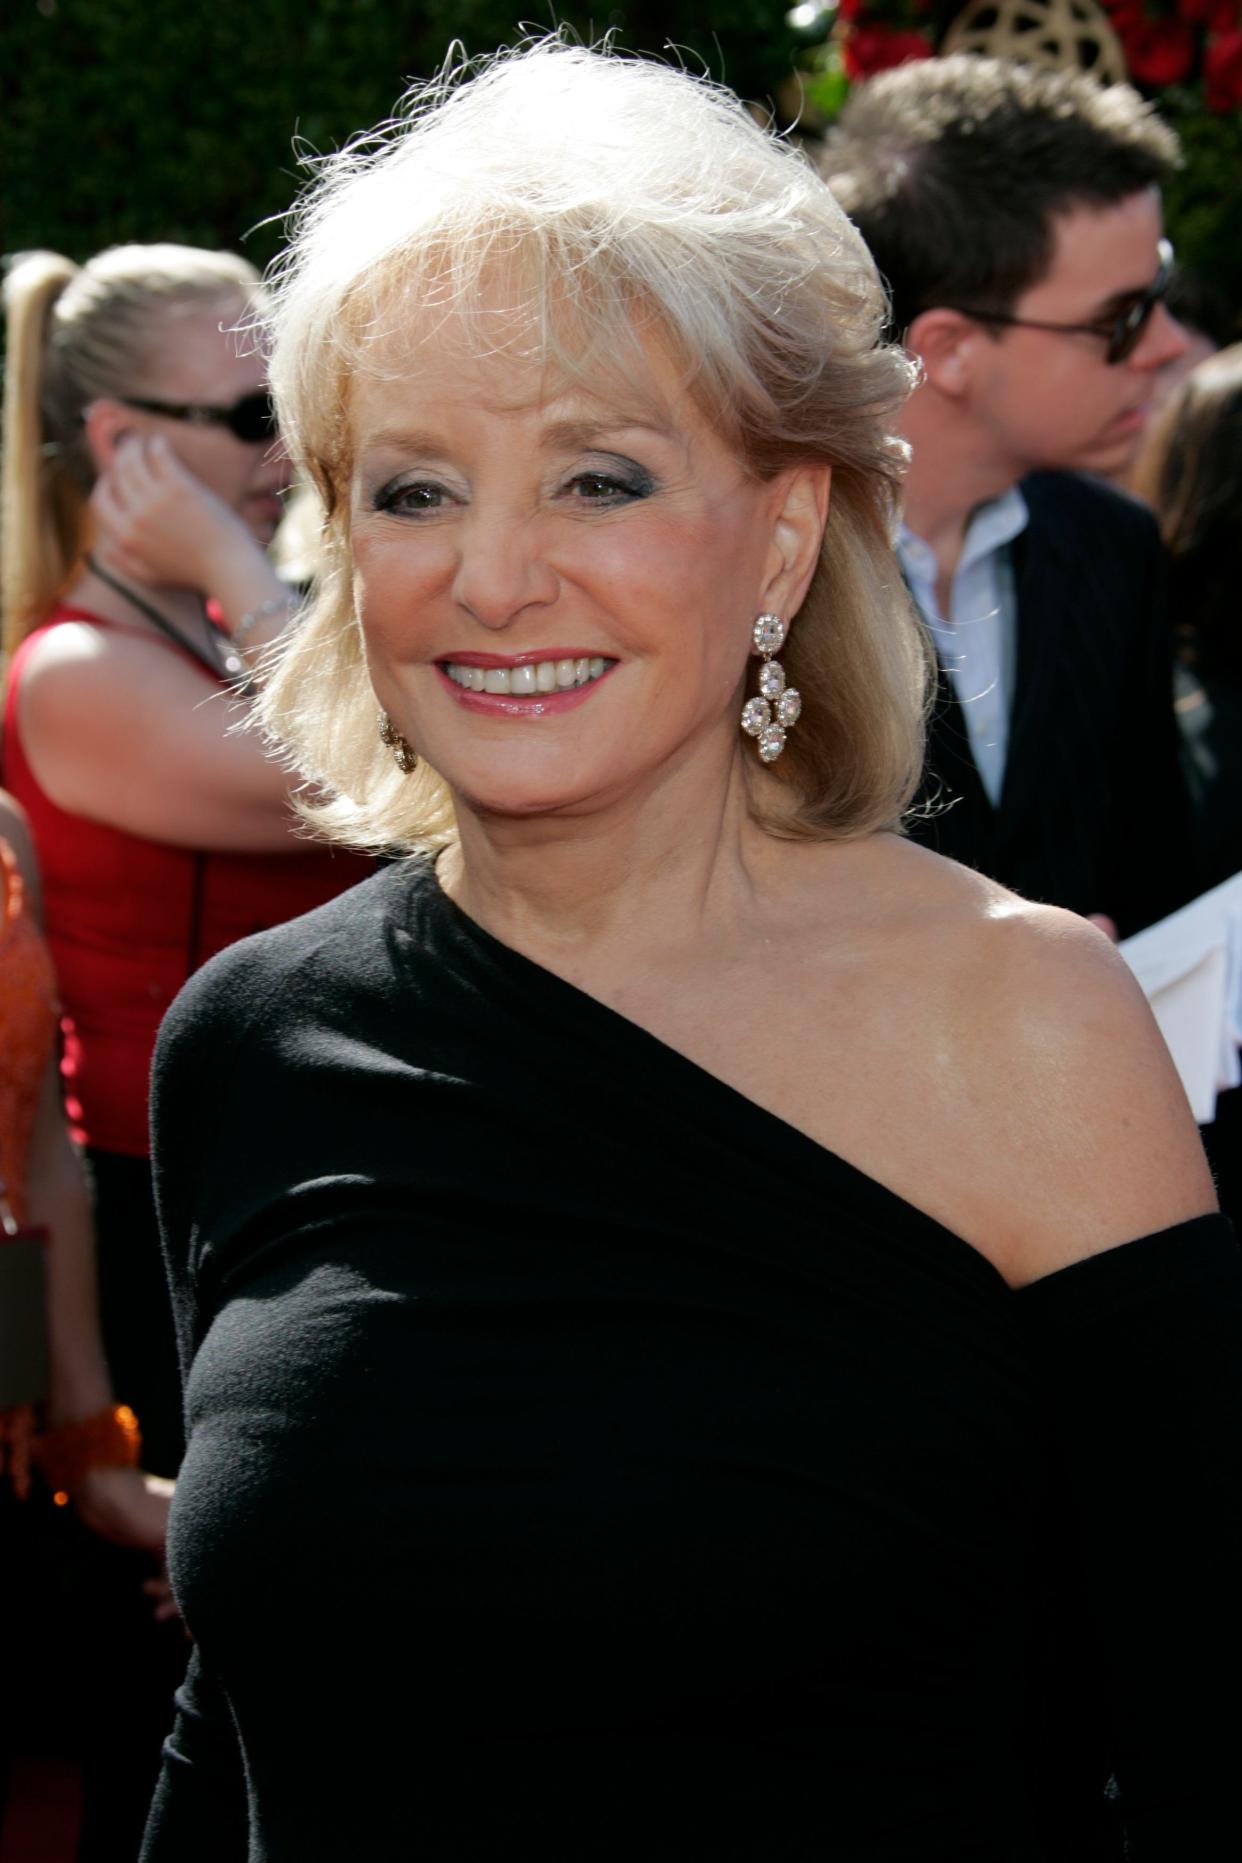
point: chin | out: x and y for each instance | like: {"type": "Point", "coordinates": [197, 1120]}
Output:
{"type": "Point", "coordinates": [528, 803]}
{"type": "Point", "coordinates": [528, 795]}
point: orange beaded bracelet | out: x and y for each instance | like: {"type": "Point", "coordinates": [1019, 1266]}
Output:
{"type": "Point", "coordinates": [65, 1455]}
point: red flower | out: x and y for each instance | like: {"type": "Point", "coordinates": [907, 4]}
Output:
{"type": "Point", "coordinates": [1199, 11]}
{"type": "Point", "coordinates": [1222, 72]}
{"type": "Point", "coordinates": [869, 49]}
{"type": "Point", "coordinates": [1159, 51]}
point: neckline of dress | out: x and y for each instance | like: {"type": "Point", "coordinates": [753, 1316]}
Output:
{"type": "Point", "coordinates": [799, 1147]}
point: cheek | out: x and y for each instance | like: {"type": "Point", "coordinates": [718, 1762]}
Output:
{"type": "Point", "coordinates": [394, 586]}
{"type": "Point", "coordinates": [675, 580]}
{"type": "Point", "coordinates": [222, 470]}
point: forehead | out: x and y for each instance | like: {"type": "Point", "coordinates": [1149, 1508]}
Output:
{"type": "Point", "coordinates": [511, 364]}
{"type": "Point", "coordinates": [200, 354]}
{"type": "Point", "coordinates": [1100, 254]}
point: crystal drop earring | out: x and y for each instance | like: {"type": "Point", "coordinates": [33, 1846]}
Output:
{"type": "Point", "coordinates": [778, 706]}
{"type": "Point", "coordinates": [404, 754]}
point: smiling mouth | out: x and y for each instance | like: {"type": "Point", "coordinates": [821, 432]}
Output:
{"type": "Point", "coordinates": [529, 680]}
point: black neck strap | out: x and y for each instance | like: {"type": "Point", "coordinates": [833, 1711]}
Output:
{"type": "Point", "coordinates": [229, 664]}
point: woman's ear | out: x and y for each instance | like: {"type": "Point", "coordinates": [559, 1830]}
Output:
{"type": "Point", "coordinates": [106, 423]}
{"type": "Point", "coordinates": [797, 537]}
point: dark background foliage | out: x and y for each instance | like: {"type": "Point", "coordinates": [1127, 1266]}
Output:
{"type": "Point", "coordinates": [147, 119]}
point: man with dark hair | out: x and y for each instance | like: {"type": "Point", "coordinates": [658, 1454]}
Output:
{"type": "Point", "coordinates": [1015, 213]}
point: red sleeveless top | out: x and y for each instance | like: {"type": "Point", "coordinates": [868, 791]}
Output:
{"type": "Point", "coordinates": [127, 920]}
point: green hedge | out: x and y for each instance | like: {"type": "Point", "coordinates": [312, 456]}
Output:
{"type": "Point", "coordinates": [126, 119]}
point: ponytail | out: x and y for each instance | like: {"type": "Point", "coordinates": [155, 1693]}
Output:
{"type": "Point", "coordinates": [42, 501]}
{"type": "Point", "coordinates": [78, 334]}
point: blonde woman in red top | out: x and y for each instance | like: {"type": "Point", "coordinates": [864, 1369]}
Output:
{"type": "Point", "coordinates": [142, 484]}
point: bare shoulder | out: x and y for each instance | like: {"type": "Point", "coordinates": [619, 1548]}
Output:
{"type": "Point", "coordinates": [1085, 1138]}
{"type": "Point", "coordinates": [74, 664]}
{"type": "Point", "coordinates": [1005, 1073]}
{"type": "Point", "coordinates": [100, 710]}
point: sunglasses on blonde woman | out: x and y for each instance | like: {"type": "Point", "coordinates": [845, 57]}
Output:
{"type": "Point", "coordinates": [252, 418]}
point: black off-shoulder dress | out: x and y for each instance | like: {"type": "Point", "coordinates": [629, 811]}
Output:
{"type": "Point", "coordinates": [585, 1464]}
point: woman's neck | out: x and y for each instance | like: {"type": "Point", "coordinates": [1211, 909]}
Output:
{"type": "Point", "coordinates": [97, 592]}
{"type": "Point", "coordinates": [574, 889]}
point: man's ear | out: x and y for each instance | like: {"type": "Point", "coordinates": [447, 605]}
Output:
{"type": "Point", "coordinates": [797, 537]}
{"type": "Point", "coordinates": [945, 342]}
{"type": "Point", "coordinates": [106, 423]}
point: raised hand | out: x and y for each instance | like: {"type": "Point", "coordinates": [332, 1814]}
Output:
{"type": "Point", "coordinates": [158, 525]}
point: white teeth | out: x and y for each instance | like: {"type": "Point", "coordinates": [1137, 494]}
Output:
{"type": "Point", "coordinates": [534, 676]}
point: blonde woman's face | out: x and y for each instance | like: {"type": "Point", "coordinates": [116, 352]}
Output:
{"type": "Point", "coordinates": [200, 365]}
{"type": "Point", "coordinates": [556, 590]}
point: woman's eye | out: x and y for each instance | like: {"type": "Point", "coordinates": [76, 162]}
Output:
{"type": "Point", "coordinates": [608, 488]}
{"type": "Point", "coordinates": [410, 500]}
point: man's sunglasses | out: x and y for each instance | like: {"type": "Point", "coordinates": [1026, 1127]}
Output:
{"type": "Point", "coordinates": [1121, 333]}
{"type": "Point", "coordinates": [253, 418]}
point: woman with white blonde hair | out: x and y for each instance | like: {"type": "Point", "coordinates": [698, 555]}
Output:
{"type": "Point", "coordinates": [661, 1238]}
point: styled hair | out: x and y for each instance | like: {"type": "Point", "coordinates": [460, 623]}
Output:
{"type": "Point", "coordinates": [953, 169]}
{"type": "Point", "coordinates": [1190, 472]}
{"type": "Point", "coordinates": [75, 334]}
{"type": "Point", "coordinates": [611, 196]}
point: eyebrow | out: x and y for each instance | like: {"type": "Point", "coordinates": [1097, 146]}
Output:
{"type": "Point", "coordinates": [1110, 306]}
{"type": "Point", "coordinates": [1120, 300]}
{"type": "Point", "coordinates": [567, 434]}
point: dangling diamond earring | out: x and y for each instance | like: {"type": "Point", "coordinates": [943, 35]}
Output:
{"type": "Point", "coordinates": [768, 635]}
{"type": "Point", "coordinates": [404, 754]}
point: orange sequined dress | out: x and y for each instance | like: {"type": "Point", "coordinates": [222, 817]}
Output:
{"type": "Point", "coordinates": [27, 1026]}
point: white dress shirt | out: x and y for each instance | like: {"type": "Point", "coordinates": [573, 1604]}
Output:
{"type": "Point", "coordinates": [976, 642]}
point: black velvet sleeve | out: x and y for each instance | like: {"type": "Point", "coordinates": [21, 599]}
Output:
{"type": "Point", "coordinates": [1139, 1352]}
{"type": "Point", "coordinates": [199, 1813]}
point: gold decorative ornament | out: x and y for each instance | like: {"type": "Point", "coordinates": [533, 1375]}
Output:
{"type": "Point", "coordinates": [403, 753]}
{"type": "Point", "coordinates": [1066, 35]}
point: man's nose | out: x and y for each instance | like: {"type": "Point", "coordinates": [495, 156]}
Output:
{"type": "Point", "coordinates": [1164, 340]}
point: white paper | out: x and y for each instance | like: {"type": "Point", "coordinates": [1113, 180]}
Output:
{"type": "Point", "coordinates": [1190, 968]}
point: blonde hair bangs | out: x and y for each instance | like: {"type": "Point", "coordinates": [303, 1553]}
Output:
{"type": "Point", "coordinates": [566, 203]}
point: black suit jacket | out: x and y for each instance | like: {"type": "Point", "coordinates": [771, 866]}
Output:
{"type": "Point", "coordinates": [1092, 812]}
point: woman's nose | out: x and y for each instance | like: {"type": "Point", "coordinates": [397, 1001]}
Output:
{"type": "Point", "coordinates": [502, 570]}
